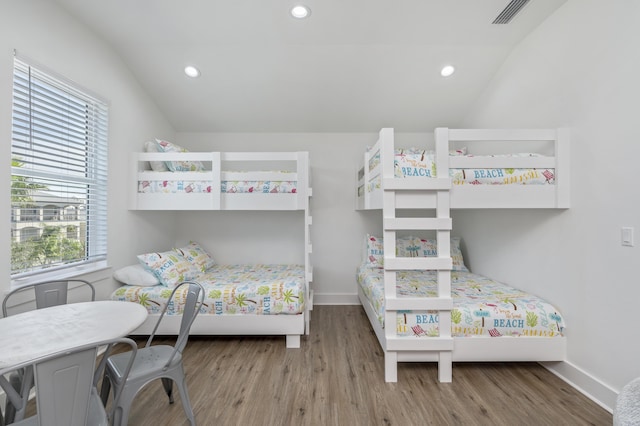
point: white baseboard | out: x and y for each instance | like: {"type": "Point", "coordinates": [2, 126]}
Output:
{"type": "Point", "coordinates": [335, 299]}
{"type": "Point", "coordinates": [600, 393]}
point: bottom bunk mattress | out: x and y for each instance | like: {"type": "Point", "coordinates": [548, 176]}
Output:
{"type": "Point", "coordinates": [231, 290]}
{"type": "Point", "coordinates": [481, 306]}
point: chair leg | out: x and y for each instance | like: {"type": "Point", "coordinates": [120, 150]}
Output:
{"type": "Point", "coordinates": [22, 382]}
{"type": "Point", "coordinates": [117, 418]}
{"type": "Point", "coordinates": [9, 408]}
{"type": "Point", "coordinates": [184, 397]}
{"type": "Point", "coordinates": [168, 388]}
{"type": "Point", "coordinates": [121, 412]}
{"type": "Point", "coordinates": [121, 415]}
{"type": "Point", "coordinates": [105, 389]}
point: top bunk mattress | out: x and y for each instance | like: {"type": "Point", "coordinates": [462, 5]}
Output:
{"type": "Point", "coordinates": [226, 186]}
{"type": "Point", "coordinates": [414, 162]}
{"type": "Point", "coordinates": [231, 290]}
{"type": "Point", "coordinates": [482, 306]}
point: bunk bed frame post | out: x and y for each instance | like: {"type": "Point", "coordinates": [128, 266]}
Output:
{"type": "Point", "coordinates": [216, 180]}
{"type": "Point", "coordinates": [563, 182]}
{"type": "Point", "coordinates": [366, 175]}
{"type": "Point", "coordinates": [443, 235]}
{"type": "Point", "coordinates": [386, 142]}
{"type": "Point", "coordinates": [133, 176]}
{"type": "Point", "coordinates": [304, 182]}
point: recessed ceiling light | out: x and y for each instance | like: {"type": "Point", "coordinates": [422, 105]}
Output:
{"type": "Point", "coordinates": [300, 11]}
{"type": "Point", "coordinates": [191, 71]}
{"type": "Point", "coordinates": [447, 70]}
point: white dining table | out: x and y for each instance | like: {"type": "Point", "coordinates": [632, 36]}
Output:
{"type": "Point", "coordinates": [29, 336]}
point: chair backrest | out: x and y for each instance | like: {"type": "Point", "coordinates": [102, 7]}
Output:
{"type": "Point", "coordinates": [48, 293]}
{"type": "Point", "coordinates": [65, 386]}
{"type": "Point", "coordinates": [193, 303]}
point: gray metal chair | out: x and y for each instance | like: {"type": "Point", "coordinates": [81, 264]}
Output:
{"type": "Point", "coordinates": [45, 294]}
{"type": "Point", "coordinates": [155, 361]}
{"type": "Point", "coordinates": [66, 392]}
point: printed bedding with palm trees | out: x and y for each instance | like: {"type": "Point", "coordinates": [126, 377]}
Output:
{"type": "Point", "coordinates": [232, 290]}
{"type": "Point", "coordinates": [481, 306]}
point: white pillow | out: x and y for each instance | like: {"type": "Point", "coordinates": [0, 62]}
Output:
{"type": "Point", "coordinates": [136, 275]}
{"type": "Point", "coordinates": [156, 166]}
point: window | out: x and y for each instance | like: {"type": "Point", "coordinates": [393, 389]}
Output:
{"type": "Point", "coordinates": [70, 213]}
{"type": "Point", "coordinates": [50, 213]}
{"type": "Point", "coordinates": [58, 164]}
{"type": "Point", "coordinates": [29, 234]}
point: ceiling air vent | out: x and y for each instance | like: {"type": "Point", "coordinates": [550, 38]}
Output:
{"type": "Point", "coordinates": [510, 11]}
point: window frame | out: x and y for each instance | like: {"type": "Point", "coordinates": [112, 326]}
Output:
{"type": "Point", "coordinates": [85, 173]}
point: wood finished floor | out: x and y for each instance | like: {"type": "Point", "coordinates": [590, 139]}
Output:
{"type": "Point", "coordinates": [337, 378]}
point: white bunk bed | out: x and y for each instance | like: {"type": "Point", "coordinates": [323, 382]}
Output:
{"type": "Point", "coordinates": [469, 196]}
{"type": "Point", "coordinates": [379, 188]}
{"type": "Point", "coordinates": [212, 188]}
{"type": "Point", "coordinates": [230, 181]}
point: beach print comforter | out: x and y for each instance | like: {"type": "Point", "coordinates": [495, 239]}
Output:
{"type": "Point", "coordinates": [232, 290]}
{"type": "Point", "coordinates": [482, 307]}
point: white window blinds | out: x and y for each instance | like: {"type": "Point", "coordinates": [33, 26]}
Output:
{"type": "Point", "coordinates": [58, 173]}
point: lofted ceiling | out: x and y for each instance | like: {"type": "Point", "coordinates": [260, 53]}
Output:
{"type": "Point", "coordinates": [352, 66]}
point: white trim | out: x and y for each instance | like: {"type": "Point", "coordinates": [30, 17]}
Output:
{"type": "Point", "coordinates": [591, 387]}
{"type": "Point", "coordinates": [335, 299]}
{"type": "Point", "coordinates": [93, 271]}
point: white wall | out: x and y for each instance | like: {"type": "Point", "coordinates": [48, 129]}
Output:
{"type": "Point", "coordinates": [46, 34]}
{"type": "Point", "coordinates": [579, 69]}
